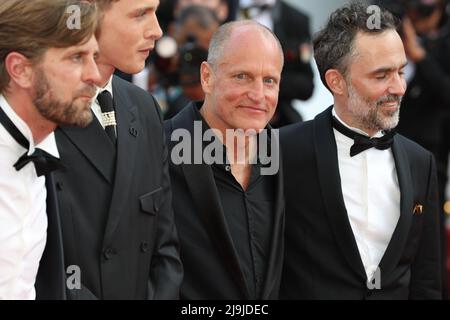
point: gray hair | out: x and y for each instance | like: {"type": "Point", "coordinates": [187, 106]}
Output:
{"type": "Point", "coordinates": [334, 45]}
{"type": "Point", "coordinates": [222, 35]}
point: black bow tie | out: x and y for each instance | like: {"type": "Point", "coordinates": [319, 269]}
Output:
{"type": "Point", "coordinates": [363, 142]}
{"type": "Point", "coordinates": [43, 161]}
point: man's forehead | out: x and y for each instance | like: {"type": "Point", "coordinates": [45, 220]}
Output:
{"type": "Point", "coordinates": [373, 47]}
{"type": "Point", "coordinates": [87, 46]}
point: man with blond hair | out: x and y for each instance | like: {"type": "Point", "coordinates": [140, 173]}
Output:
{"type": "Point", "coordinates": [115, 198]}
{"type": "Point", "coordinates": [47, 77]}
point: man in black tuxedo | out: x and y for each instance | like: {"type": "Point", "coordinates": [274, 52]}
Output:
{"type": "Point", "coordinates": [114, 197]}
{"type": "Point", "coordinates": [361, 201]}
{"type": "Point", "coordinates": [228, 204]}
{"type": "Point", "coordinates": [47, 77]}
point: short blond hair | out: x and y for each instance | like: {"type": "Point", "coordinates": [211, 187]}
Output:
{"type": "Point", "coordinates": [31, 27]}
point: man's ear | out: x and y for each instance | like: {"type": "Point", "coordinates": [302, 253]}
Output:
{"type": "Point", "coordinates": [336, 82]}
{"type": "Point", "coordinates": [20, 69]}
{"type": "Point", "coordinates": [206, 77]}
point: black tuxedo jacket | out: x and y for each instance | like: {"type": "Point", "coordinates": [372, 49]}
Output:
{"type": "Point", "coordinates": [211, 266]}
{"type": "Point", "coordinates": [322, 260]}
{"type": "Point", "coordinates": [51, 278]}
{"type": "Point", "coordinates": [117, 221]}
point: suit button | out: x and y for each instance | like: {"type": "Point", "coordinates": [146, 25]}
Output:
{"type": "Point", "coordinates": [108, 253]}
{"type": "Point", "coordinates": [144, 246]}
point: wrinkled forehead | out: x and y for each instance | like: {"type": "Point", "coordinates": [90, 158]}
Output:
{"type": "Point", "coordinates": [370, 50]}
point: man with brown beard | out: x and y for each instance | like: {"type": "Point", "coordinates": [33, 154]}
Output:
{"type": "Point", "coordinates": [47, 77]}
{"type": "Point", "coordinates": [361, 201]}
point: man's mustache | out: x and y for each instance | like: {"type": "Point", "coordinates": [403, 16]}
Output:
{"type": "Point", "coordinates": [389, 98]}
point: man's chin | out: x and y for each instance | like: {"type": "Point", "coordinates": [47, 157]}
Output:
{"type": "Point", "coordinates": [132, 69]}
{"type": "Point", "coordinates": [81, 120]}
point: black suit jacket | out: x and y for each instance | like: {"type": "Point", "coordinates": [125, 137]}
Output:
{"type": "Point", "coordinates": [117, 221]}
{"type": "Point", "coordinates": [322, 260]}
{"type": "Point", "coordinates": [51, 278]}
{"type": "Point", "coordinates": [211, 266]}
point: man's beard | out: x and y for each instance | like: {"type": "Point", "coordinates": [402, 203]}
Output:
{"type": "Point", "coordinates": [368, 115]}
{"type": "Point", "coordinates": [74, 113]}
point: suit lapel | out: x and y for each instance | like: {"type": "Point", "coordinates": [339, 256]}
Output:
{"type": "Point", "coordinates": [93, 142]}
{"type": "Point", "coordinates": [330, 183]}
{"type": "Point", "coordinates": [51, 277]}
{"type": "Point", "coordinates": [400, 235]}
{"type": "Point", "coordinates": [202, 186]}
{"type": "Point", "coordinates": [128, 131]}
{"type": "Point", "coordinates": [277, 234]}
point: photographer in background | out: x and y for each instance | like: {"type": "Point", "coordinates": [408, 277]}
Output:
{"type": "Point", "coordinates": [425, 112]}
{"type": "Point", "coordinates": [179, 55]}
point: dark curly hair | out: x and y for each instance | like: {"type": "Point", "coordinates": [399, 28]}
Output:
{"type": "Point", "coordinates": [333, 45]}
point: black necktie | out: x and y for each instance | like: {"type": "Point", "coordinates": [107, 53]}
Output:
{"type": "Point", "coordinates": [362, 142]}
{"type": "Point", "coordinates": [43, 161]}
{"type": "Point", "coordinates": [105, 101]}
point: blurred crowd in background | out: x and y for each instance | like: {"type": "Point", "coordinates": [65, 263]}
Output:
{"type": "Point", "coordinates": [172, 73]}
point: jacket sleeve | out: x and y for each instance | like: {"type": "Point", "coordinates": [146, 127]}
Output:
{"type": "Point", "coordinates": [166, 271]}
{"type": "Point", "coordinates": [426, 269]}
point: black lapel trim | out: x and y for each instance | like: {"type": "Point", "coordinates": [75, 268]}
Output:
{"type": "Point", "coordinates": [128, 130]}
{"type": "Point", "coordinates": [93, 142]}
{"type": "Point", "coordinates": [275, 259]}
{"type": "Point", "coordinates": [51, 277]}
{"type": "Point", "coordinates": [330, 182]}
{"type": "Point", "coordinates": [201, 184]}
{"type": "Point", "coordinates": [400, 236]}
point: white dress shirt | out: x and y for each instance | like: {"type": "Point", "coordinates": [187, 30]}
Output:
{"type": "Point", "coordinates": [23, 216]}
{"type": "Point", "coordinates": [371, 195]}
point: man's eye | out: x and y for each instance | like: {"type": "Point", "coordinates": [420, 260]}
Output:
{"type": "Point", "coordinates": [240, 76]}
{"type": "Point", "coordinates": [269, 80]}
{"type": "Point", "coordinates": [76, 57]}
{"type": "Point", "coordinates": [381, 77]}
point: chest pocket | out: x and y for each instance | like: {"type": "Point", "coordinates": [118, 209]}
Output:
{"type": "Point", "coordinates": [151, 202]}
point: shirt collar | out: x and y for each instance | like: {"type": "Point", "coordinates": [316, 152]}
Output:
{"type": "Point", "coordinates": [376, 135]}
{"type": "Point", "coordinates": [107, 87]}
{"type": "Point", "coordinates": [48, 144]}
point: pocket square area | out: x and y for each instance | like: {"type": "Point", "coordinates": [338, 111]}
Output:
{"type": "Point", "coordinates": [418, 209]}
